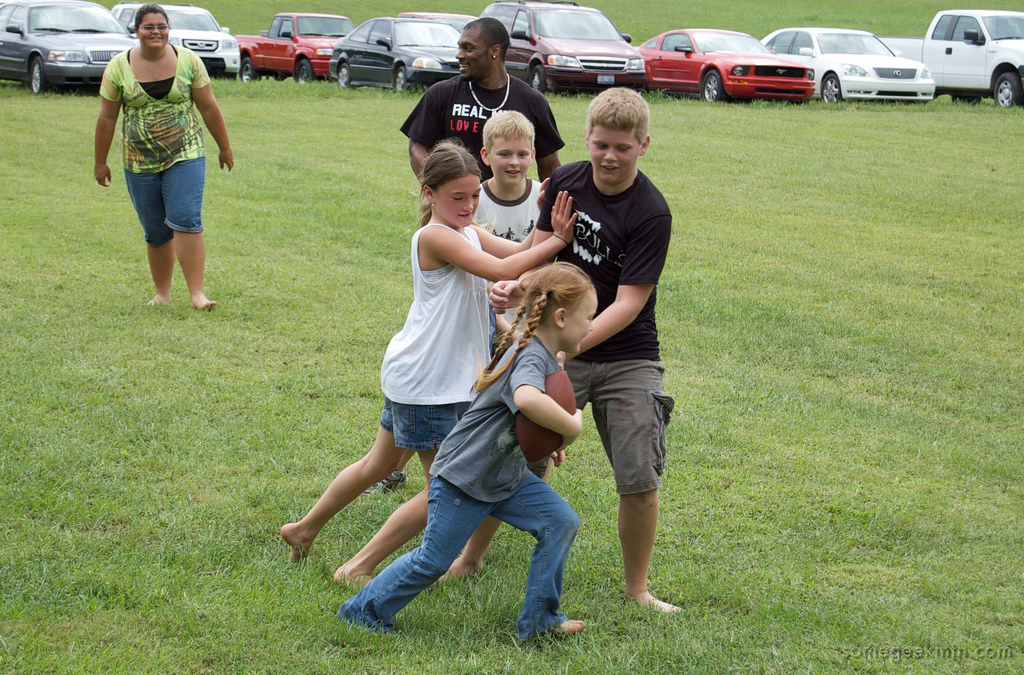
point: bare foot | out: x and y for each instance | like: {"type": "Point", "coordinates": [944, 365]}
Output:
{"type": "Point", "coordinates": [648, 600]}
{"type": "Point", "coordinates": [462, 568]}
{"type": "Point", "coordinates": [569, 626]}
{"type": "Point", "coordinates": [199, 301]}
{"type": "Point", "coordinates": [353, 579]}
{"type": "Point", "coordinates": [300, 546]}
{"type": "Point", "coordinates": [158, 299]}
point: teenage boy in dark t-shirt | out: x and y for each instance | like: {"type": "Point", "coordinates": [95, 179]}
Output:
{"type": "Point", "coordinates": [623, 227]}
{"type": "Point", "coordinates": [459, 107]}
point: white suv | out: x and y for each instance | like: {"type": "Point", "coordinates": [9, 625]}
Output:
{"type": "Point", "coordinates": [196, 29]}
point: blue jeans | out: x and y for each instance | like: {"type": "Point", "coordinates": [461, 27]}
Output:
{"type": "Point", "coordinates": [452, 517]}
{"type": "Point", "coordinates": [169, 200]}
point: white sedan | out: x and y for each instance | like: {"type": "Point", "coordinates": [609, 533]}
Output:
{"type": "Point", "coordinates": [853, 64]}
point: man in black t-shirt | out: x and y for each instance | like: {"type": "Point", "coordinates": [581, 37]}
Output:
{"type": "Point", "coordinates": [459, 107]}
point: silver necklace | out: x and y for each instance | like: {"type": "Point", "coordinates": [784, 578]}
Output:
{"type": "Point", "coordinates": [508, 81]}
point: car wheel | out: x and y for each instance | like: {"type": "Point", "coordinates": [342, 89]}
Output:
{"type": "Point", "coordinates": [247, 72]}
{"type": "Point", "coordinates": [37, 76]}
{"type": "Point", "coordinates": [400, 80]}
{"type": "Point", "coordinates": [344, 76]}
{"type": "Point", "coordinates": [537, 79]}
{"type": "Point", "coordinates": [304, 71]}
{"type": "Point", "coordinates": [1008, 92]}
{"type": "Point", "coordinates": [711, 87]}
{"type": "Point", "coordinates": [831, 90]}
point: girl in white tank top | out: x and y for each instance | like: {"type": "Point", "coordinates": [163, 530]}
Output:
{"type": "Point", "coordinates": [433, 362]}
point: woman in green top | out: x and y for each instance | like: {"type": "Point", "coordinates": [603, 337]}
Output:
{"type": "Point", "coordinates": [162, 147]}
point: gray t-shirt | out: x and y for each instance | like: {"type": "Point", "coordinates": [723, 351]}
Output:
{"type": "Point", "coordinates": [481, 455]}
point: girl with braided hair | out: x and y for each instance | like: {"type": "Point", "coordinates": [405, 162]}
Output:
{"type": "Point", "coordinates": [480, 471]}
{"type": "Point", "coordinates": [429, 367]}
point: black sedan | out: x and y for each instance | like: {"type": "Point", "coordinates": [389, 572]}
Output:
{"type": "Point", "coordinates": [396, 52]}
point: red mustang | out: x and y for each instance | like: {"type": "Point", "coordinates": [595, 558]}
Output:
{"type": "Point", "coordinates": [722, 64]}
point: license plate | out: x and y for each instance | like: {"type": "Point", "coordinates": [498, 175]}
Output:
{"type": "Point", "coordinates": [606, 79]}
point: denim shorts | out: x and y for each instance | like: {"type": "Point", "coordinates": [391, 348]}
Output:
{"type": "Point", "coordinates": [420, 427]}
{"type": "Point", "coordinates": [169, 200]}
{"type": "Point", "coordinates": [631, 412]}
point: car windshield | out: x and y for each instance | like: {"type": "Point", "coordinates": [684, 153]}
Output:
{"type": "Point", "coordinates": [73, 19]}
{"type": "Point", "coordinates": [1005, 27]}
{"type": "Point", "coordinates": [425, 34]}
{"type": "Point", "coordinates": [851, 43]}
{"type": "Point", "coordinates": [191, 20]}
{"type": "Point", "coordinates": [328, 26]}
{"type": "Point", "coordinates": [570, 25]}
{"type": "Point", "coordinates": [725, 42]}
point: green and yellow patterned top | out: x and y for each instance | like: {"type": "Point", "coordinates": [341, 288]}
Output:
{"type": "Point", "coordinates": [156, 133]}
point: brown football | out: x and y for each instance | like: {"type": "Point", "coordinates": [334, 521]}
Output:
{"type": "Point", "coordinates": [538, 442]}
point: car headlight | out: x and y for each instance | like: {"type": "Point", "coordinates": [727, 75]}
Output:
{"type": "Point", "coordinates": [174, 41]}
{"type": "Point", "coordinates": [228, 44]}
{"type": "Point", "coordinates": [426, 64]}
{"type": "Point", "coordinates": [324, 51]}
{"type": "Point", "coordinates": [810, 73]}
{"type": "Point", "coordinates": [563, 61]}
{"type": "Point", "coordinates": [635, 64]}
{"type": "Point", "coordinates": [63, 55]}
{"type": "Point", "coordinates": [740, 71]}
{"type": "Point", "coordinates": [854, 70]}
{"type": "Point", "coordinates": [925, 74]}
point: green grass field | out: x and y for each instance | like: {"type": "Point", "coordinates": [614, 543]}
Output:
{"type": "Point", "coordinates": [841, 316]}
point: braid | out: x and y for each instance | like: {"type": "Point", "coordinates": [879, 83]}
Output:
{"type": "Point", "coordinates": [490, 376]}
{"type": "Point", "coordinates": [556, 285]}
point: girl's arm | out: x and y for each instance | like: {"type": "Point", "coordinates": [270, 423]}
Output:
{"type": "Point", "coordinates": [440, 246]}
{"type": "Point", "coordinates": [563, 225]}
{"type": "Point", "coordinates": [208, 108]}
{"type": "Point", "coordinates": [105, 125]}
{"type": "Point", "coordinates": [543, 410]}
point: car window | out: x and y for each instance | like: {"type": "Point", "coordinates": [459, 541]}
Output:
{"type": "Point", "coordinates": [360, 34]}
{"type": "Point", "coordinates": [327, 26]}
{"type": "Point", "coordinates": [71, 19]}
{"type": "Point", "coordinates": [287, 29]}
{"type": "Point", "coordinates": [571, 25]}
{"type": "Point", "coordinates": [965, 23]}
{"type": "Point", "coordinates": [670, 41]}
{"type": "Point", "coordinates": [190, 20]}
{"type": "Point", "coordinates": [727, 42]}
{"type": "Point", "coordinates": [851, 43]}
{"type": "Point", "coordinates": [5, 14]}
{"type": "Point", "coordinates": [275, 26]}
{"type": "Point", "coordinates": [522, 23]}
{"type": "Point", "coordinates": [651, 44]}
{"type": "Point", "coordinates": [802, 40]}
{"type": "Point", "coordinates": [781, 43]}
{"type": "Point", "coordinates": [942, 27]}
{"type": "Point", "coordinates": [419, 34]}
{"type": "Point", "coordinates": [381, 31]}
{"type": "Point", "coordinates": [1005, 27]}
{"type": "Point", "coordinates": [126, 16]}
{"type": "Point", "coordinates": [502, 13]}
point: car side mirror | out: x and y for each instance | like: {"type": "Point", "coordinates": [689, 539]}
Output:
{"type": "Point", "coordinates": [686, 49]}
{"type": "Point", "coordinates": [14, 29]}
{"type": "Point", "coordinates": [286, 34]}
{"type": "Point", "coordinates": [806, 51]}
{"type": "Point", "coordinates": [972, 36]}
{"type": "Point", "coordinates": [520, 34]}
{"type": "Point", "coordinates": [384, 42]}
{"type": "Point", "coordinates": [627, 37]}
{"type": "Point", "coordinates": [225, 29]}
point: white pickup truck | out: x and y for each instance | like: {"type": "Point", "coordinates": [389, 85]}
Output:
{"type": "Point", "coordinates": [971, 54]}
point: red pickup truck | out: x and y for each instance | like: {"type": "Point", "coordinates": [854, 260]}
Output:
{"type": "Point", "coordinates": [297, 43]}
